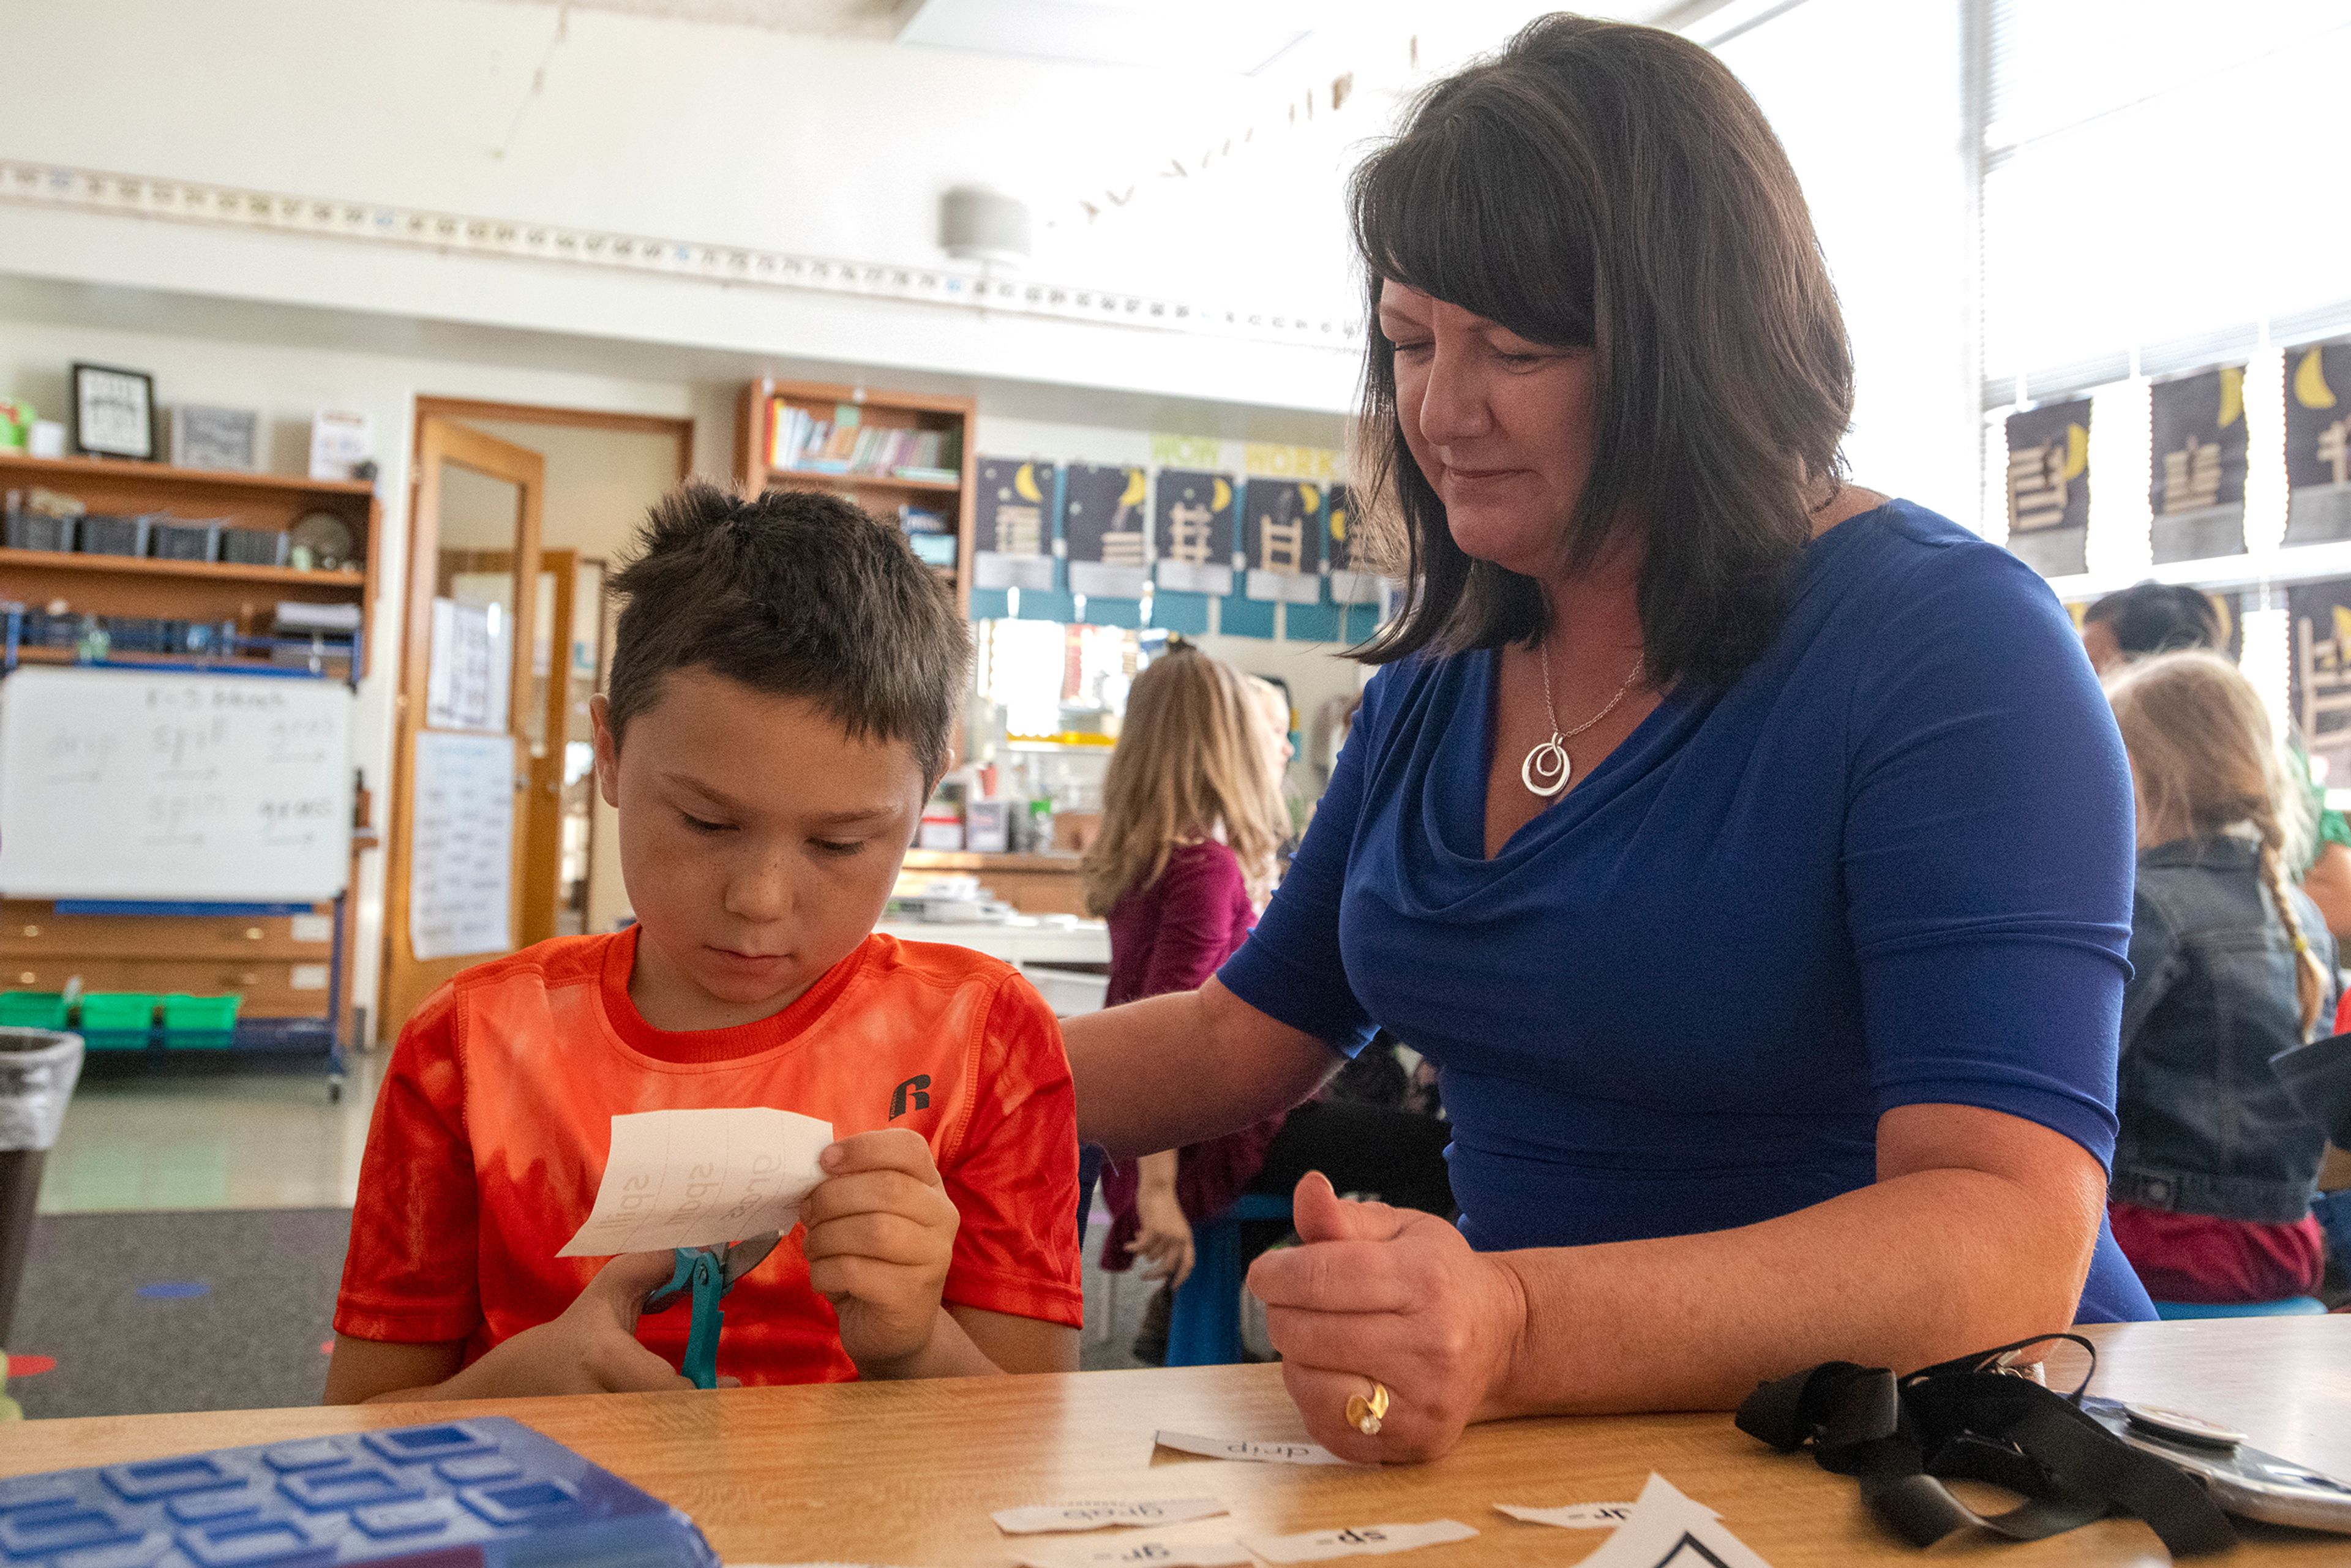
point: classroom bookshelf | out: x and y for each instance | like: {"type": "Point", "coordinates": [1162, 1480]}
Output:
{"type": "Point", "coordinates": [894, 454]}
{"type": "Point", "coordinates": [289, 962]}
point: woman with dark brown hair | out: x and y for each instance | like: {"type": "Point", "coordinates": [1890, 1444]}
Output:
{"type": "Point", "coordinates": [1751, 852]}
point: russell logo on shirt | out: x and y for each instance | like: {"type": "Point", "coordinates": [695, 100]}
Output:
{"type": "Point", "coordinates": [917, 1088]}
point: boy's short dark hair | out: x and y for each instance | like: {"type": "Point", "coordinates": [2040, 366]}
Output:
{"type": "Point", "coordinates": [794, 594]}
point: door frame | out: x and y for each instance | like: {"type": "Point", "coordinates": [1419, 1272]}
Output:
{"type": "Point", "coordinates": [417, 646]}
{"type": "Point", "coordinates": [440, 438]}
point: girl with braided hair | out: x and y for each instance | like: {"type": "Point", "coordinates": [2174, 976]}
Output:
{"type": "Point", "coordinates": [2214, 1168]}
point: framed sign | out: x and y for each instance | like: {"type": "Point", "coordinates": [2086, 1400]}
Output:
{"type": "Point", "coordinates": [114, 413]}
{"type": "Point", "coordinates": [222, 438]}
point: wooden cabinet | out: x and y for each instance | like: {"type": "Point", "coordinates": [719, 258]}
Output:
{"type": "Point", "coordinates": [282, 964]}
{"type": "Point", "coordinates": [883, 494]}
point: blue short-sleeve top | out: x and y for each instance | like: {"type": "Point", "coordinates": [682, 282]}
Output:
{"type": "Point", "coordinates": [1890, 864]}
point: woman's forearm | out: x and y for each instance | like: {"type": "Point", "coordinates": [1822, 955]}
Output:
{"type": "Point", "coordinates": [1904, 1274]}
{"type": "Point", "coordinates": [1186, 1067]}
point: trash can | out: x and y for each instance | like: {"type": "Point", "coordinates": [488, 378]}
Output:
{"type": "Point", "coordinates": [37, 1068]}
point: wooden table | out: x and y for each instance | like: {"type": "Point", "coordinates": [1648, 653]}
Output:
{"type": "Point", "coordinates": [908, 1473]}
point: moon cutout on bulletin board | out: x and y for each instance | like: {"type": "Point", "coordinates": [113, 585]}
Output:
{"type": "Point", "coordinates": [1134, 494]}
{"type": "Point", "coordinates": [1220, 497]}
{"type": "Point", "coordinates": [2310, 388]}
{"type": "Point", "coordinates": [1310, 497]}
{"type": "Point", "coordinates": [1025, 482]}
{"type": "Point", "coordinates": [2232, 395]}
{"type": "Point", "coordinates": [2077, 451]}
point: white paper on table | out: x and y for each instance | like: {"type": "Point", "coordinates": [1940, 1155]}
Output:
{"type": "Point", "coordinates": [1571, 1515]}
{"type": "Point", "coordinates": [1669, 1531]}
{"type": "Point", "coordinates": [1357, 1541]}
{"type": "Point", "coordinates": [1052, 1517]}
{"type": "Point", "coordinates": [1247, 1449]}
{"type": "Point", "coordinates": [1141, 1555]}
{"type": "Point", "coordinates": [693, 1178]}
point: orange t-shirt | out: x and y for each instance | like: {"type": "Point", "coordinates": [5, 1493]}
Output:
{"type": "Point", "coordinates": [494, 1120]}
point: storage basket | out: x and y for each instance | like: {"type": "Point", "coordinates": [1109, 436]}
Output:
{"type": "Point", "coordinates": [32, 1009]}
{"type": "Point", "coordinates": [253, 546]}
{"type": "Point", "coordinates": [118, 1020]}
{"type": "Point", "coordinates": [200, 1023]}
{"type": "Point", "coordinates": [182, 541]}
{"type": "Point", "coordinates": [38, 530]}
{"type": "Point", "coordinates": [103, 534]}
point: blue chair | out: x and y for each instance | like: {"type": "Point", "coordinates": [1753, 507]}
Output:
{"type": "Point", "coordinates": [2289, 1307]}
{"type": "Point", "coordinates": [1204, 1322]}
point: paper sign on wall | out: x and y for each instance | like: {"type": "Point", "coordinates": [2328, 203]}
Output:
{"type": "Point", "coordinates": [1284, 541]}
{"type": "Point", "coordinates": [1102, 520]}
{"type": "Point", "coordinates": [694, 1178]}
{"type": "Point", "coordinates": [461, 849]}
{"type": "Point", "coordinates": [1013, 525]}
{"type": "Point", "coordinates": [1193, 525]}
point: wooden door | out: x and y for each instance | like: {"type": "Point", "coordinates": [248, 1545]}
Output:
{"type": "Point", "coordinates": [466, 681]}
{"type": "Point", "coordinates": [542, 881]}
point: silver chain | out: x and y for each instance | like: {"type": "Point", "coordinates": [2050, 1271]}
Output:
{"type": "Point", "coordinates": [1542, 657]}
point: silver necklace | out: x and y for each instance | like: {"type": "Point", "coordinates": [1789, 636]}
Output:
{"type": "Point", "coordinates": [1546, 769]}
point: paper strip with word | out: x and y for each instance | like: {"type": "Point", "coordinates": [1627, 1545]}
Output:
{"type": "Point", "coordinates": [1055, 1517]}
{"type": "Point", "coordinates": [1669, 1531]}
{"type": "Point", "coordinates": [693, 1179]}
{"type": "Point", "coordinates": [1247, 1449]}
{"type": "Point", "coordinates": [1360, 1541]}
{"type": "Point", "coordinates": [1573, 1516]}
{"type": "Point", "coordinates": [1142, 1554]}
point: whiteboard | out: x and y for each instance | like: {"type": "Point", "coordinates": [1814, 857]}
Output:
{"type": "Point", "coordinates": [461, 854]}
{"type": "Point", "coordinates": [132, 784]}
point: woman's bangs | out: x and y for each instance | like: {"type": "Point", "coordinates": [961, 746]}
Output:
{"type": "Point", "coordinates": [1430, 211]}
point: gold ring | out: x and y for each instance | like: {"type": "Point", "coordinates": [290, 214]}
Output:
{"type": "Point", "coordinates": [1365, 1415]}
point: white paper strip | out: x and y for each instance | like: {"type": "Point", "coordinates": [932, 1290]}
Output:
{"type": "Point", "coordinates": [1359, 1540]}
{"type": "Point", "coordinates": [1142, 1554]}
{"type": "Point", "coordinates": [1247, 1449]}
{"type": "Point", "coordinates": [693, 1179]}
{"type": "Point", "coordinates": [1669, 1531]}
{"type": "Point", "coordinates": [1053, 1517]}
{"type": "Point", "coordinates": [1573, 1516]}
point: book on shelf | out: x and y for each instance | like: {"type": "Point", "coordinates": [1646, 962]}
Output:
{"type": "Point", "coordinates": [802, 443]}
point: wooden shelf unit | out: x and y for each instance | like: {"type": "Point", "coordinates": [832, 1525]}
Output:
{"type": "Point", "coordinates": [277, 962]}
{"type": "Point", "coordinates": [185, 589]}
{"type": "Point", "coordinates": [880, 493]}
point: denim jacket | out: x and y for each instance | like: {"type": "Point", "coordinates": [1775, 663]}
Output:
{"type": "Point", "coordinates": [2205, 1126]}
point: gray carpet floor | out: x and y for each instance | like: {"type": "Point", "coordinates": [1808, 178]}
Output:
{"type": "Point", "coordinates": [227, 1310]}
{"type": "Point", "coordinates": [217, 1309]}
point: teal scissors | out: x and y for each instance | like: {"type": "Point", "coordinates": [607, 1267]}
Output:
{"type": "Point", "coordinates": [707, 1274]}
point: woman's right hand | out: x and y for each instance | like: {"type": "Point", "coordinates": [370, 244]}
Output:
{"type": "Point", "coordinates": [1164, 1239]}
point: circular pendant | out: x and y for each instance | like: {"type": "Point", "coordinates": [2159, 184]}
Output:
{"type": "Point", "coordinates": [1545, 770]}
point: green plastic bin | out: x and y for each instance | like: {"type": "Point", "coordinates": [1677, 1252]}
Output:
{"type": "Point", "coordinates": [32, 1009]}
{"type": "Point", "coordinates": [118, 1020]}
{"type": "Point", "coordinates": [200, 1023]}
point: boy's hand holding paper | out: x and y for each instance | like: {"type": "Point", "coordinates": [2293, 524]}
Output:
{"type": "Point", "coordinates": [880, 1232]}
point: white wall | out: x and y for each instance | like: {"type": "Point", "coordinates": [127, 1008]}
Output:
{"type": "Point", "coordinates": [721, 135]}
{"type": "Point", "coordinates": [1867, 99]}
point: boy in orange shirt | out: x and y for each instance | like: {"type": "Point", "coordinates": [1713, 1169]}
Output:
{"type": "Point", "coordinates": [784, 683]}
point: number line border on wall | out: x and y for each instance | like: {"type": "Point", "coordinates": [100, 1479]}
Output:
{"type": "Point", "coordinates": [377, 223]}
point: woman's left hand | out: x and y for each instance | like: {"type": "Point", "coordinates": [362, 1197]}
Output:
{"type": "Point", "coordinates": [1391, 1294]}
